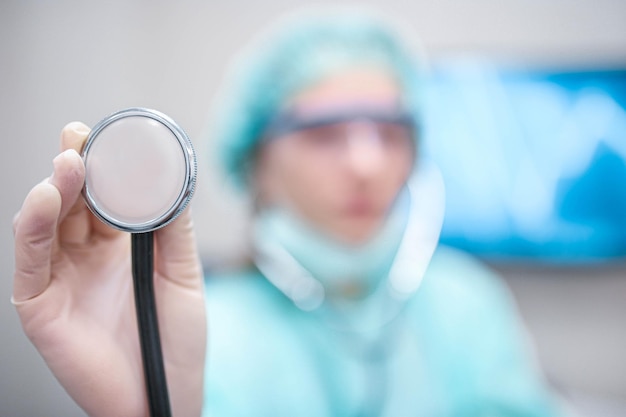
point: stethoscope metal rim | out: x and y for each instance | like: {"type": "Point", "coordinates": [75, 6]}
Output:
{"type": "Point", "coordinates": [190, 172]}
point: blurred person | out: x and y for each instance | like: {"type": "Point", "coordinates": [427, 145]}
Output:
{"type": "Point", "coordinates": [323, 130]}
{"type": "Point", "coordinates": [348, 308]}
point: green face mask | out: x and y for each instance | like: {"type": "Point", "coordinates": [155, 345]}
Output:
{"type": "Point", "coordinates": [311, 268]}
{"type": "Point", "coordinates": [343, 270]}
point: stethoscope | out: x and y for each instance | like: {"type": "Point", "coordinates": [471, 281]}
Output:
{"type": "Point", "coordinates": [140, 174]}
{"type": "Point", "coordinates": [425, 193]}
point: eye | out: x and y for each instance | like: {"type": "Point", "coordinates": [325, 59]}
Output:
{"type": "Point", "coordinates": [330, 135]}
{"type": "Point", "coordinates": [395, 134]}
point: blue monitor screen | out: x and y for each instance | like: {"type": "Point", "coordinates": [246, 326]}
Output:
{"type": "Point", "coordinates": [534, 161]}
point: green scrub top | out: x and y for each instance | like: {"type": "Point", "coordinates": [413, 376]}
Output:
{"type": "Point", "coordinates": [457, 348]}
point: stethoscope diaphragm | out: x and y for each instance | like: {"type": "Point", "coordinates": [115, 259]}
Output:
{"type": "Point", "coordinates": [140, 170]}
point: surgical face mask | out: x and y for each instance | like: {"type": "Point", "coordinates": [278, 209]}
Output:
{"type": "Point", "coordinates": [309, 267]}
{"type": "Point", "coordinates": [345, 271]}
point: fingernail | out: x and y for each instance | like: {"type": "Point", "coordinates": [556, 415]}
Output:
{"type": "Point", "coordinates": [79, 128]}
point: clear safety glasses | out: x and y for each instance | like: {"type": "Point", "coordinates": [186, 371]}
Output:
{"type": "Point", "coordinates": [333, 131]}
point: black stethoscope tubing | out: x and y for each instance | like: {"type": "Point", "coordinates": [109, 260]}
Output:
{"type": "Point", "coordinates": [142, 248]}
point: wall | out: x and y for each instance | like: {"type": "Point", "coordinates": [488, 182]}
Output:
{"type": "Point", "coordinates": [71, 60]}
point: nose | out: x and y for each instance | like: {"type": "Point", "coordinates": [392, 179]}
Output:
{"type": "Point", "coordinates": [365, 150]}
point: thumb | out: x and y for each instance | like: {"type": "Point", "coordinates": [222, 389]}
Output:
{"type": "Point", "coordinates": [34, 231]}
{"type": "Point", "coordinates": [35, 226]}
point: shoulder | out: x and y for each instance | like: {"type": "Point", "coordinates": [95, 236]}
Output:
{"type": "Point", "coordinates": [465, 301]}
{"type": "Point", "coordinates": [471, 331]}
{"type": "Point", "coordinates": [241, 304]}
{"type": "Point", "coordinates": [246, 311]}
{"type": "Point", "coordinates": [459, 277]}
{"type": "Point", "coordinates": [254, 334]}
{"type": "Point", "coordinates": [239, 287]}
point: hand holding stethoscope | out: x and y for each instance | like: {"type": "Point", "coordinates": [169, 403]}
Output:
{"type": "Point", "coordinates": [73, 290]}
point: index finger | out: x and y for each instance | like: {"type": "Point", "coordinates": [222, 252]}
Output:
{"type": "Point", "coordinates": [77, 222]}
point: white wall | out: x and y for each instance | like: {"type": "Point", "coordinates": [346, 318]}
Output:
{"type": "Point", "coordinates": [73, 60]}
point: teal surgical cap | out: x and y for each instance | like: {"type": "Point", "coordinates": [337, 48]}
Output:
{"type": "Point", "coordinates": [295, 54]}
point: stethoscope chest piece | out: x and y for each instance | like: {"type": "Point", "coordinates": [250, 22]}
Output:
{"type": "Point", "coordinates": [140, 170]}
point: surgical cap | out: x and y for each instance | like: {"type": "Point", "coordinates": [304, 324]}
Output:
{"type": "Point", "coordinates": [295, 54]}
